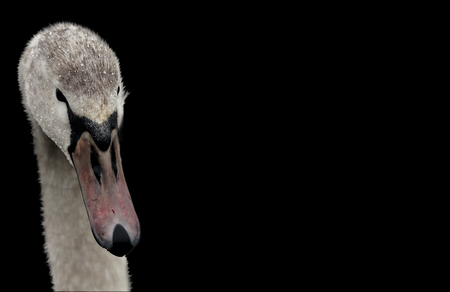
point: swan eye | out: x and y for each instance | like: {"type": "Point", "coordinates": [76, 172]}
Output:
{"type": "Point", "coordinates": [60, 96]}
{"type": "Point", "coordinates": [118, 90]}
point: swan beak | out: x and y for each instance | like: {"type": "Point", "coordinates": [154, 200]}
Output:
{"type": "Point", "coordinates": [111, 213]}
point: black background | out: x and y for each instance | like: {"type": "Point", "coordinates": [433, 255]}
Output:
{"type": "Point", "coordinates": [179, 161]}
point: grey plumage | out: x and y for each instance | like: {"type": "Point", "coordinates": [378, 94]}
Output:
{"type": "Point", "coordinates": [81, 65]}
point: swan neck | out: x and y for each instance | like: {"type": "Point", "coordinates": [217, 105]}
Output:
{"type": "Point", "coordinates": [76, 261]}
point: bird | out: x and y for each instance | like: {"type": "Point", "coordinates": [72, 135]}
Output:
{"type": "Point", "coordinates": [73, 95]}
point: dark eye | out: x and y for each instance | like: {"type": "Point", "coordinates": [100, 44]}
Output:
{"type": "Point", "coordinates": [118, 90]}
{"type": "Point", "coordinates": [60, 96]}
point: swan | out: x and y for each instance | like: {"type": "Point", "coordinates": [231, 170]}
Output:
{"type": "Point", "coordinates": [73, 94]}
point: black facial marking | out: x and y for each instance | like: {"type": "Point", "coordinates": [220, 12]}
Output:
{"type": "Point", "coordinates": [101, 133]}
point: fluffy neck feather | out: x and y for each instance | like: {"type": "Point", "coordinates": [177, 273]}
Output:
{"type": "Point", "coordinates": [76, 261]}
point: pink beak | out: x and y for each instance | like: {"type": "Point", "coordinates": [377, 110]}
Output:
{"type": "Point", "coordinates": [111, 213]}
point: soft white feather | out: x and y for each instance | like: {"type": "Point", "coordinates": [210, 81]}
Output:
{"type": "Point", "coordinates": [60, 56]}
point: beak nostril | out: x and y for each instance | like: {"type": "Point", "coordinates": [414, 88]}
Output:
{"type": "Point", "coordinates": [95, 162]}
{"type": "Point", "coordinates": [96, 165]}
{"type": "Point", "coordinates": [113, 160]}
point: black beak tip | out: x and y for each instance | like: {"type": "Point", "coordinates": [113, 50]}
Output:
{"type": "Point", "coordinates": [121, 244]}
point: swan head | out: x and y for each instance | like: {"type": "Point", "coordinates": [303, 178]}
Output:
{"type": "Point", "coordinates": [72, 89]}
